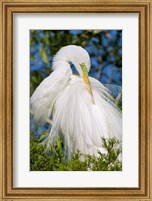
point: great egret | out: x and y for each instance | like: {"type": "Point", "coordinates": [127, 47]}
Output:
{"type": "Point", "coordinates": [79, 107]}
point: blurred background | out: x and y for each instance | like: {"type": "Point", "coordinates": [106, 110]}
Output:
{"type": "Point", "coordinates": [103, 46]}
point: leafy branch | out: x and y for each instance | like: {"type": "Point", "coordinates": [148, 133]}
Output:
{"type": "Point", "coordinates": [56, 159]}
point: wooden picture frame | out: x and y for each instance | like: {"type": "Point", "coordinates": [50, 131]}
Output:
{"type": "Point", "coordinates": [7, 9]}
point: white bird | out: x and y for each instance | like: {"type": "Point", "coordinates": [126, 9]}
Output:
{"type": "Point", "coordinates": [79, 107]}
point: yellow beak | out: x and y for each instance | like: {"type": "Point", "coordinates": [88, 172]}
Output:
{"type": "Point", "coordinates": [86, 80]}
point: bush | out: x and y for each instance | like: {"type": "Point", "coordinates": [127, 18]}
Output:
{"type": "Point", "coordinates": [56, 160]}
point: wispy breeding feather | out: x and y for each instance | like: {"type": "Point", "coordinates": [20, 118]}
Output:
{"type": "Point", "coordinates": [80, 107]}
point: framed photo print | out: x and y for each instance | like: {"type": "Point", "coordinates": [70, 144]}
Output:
{"type": "Point", "coordinates": [76, 95]}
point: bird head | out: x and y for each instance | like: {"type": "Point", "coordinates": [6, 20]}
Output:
{"type": "Point", "coordinates": [79, 57]}
{"type": "Point", "coordinates": [75, 55]}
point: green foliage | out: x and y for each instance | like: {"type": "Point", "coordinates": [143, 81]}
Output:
{"type": "Point", "coordinates": [56, 160]}
{"type": "Point", "coordinates": [109, 161]}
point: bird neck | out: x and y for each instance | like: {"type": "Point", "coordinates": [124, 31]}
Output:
{"type": "Point", "coordinates": [61, 65]}
{"type": "Point", "coordinates": [62, 61]}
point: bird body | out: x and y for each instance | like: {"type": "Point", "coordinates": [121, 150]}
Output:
{"type": "Point", "coordinates": [80, 107]}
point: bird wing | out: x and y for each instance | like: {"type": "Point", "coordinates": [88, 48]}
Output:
{"type": "Point", "coordinates": [42, 100]}
{"type": "Point", "coordinates": [101, 89]}
{"type": "Point", "coordinates": [81, 123]}
{"type": "Point", "coordinates": [114, 89]}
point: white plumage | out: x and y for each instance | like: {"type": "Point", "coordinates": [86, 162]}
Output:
{"type": "Point", "coordinates": [81, 109]}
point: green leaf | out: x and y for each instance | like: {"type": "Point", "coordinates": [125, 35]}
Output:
{"type": "Point", "coordinates": [43, 136]}
{"type": "Point", "coordinates": [43, 54]}
{"type": "Point", "coordinates": [34, 79]}
{"type": "Point", "coordinates": [97, 31]}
